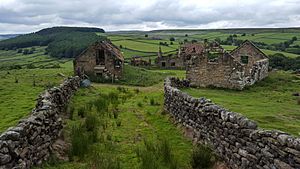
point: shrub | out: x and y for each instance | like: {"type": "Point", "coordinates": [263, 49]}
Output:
{"type": "Point", "coordinates": [202, 157]}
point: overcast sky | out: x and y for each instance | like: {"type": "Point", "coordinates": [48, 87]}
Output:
{"type": "Point", "coordinates": [21, 16]}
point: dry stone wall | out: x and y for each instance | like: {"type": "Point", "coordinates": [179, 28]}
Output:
{"type": "Point", "coordinates": [233, 137]}
{"type": "Point", "coordinates": [29, 142]}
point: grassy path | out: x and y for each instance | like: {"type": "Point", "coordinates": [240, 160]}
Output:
{"type": "Point", "coordinates": [139, 120]}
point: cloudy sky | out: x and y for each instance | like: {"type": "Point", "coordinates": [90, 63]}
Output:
{"type": "Point", "coordinates": [21, 16]}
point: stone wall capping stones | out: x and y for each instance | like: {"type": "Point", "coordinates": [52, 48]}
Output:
{"type": "Point", "coordinates": [29, 142]}
{"type": "Point", "coordinates": [235, 138]}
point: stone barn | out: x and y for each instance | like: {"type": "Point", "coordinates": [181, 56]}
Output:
{"type": "Point", "coordinates": [213, 66]}
{"type": "Point", "coordinates": [102, 59]}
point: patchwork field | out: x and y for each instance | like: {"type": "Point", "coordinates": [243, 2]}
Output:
{"type": "Point", "coordinates": [136, 44]}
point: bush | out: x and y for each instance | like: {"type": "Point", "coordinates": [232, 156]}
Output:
{"type": "Point", "coordinates": [172, 39]}
{"type": "Point", "coordinates": [202, 157]}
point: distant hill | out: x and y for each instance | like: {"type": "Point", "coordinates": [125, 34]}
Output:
{"type": "Point", "coordinates": [60, 41]}
{"type": "Point", "coordinates": [8, 36]}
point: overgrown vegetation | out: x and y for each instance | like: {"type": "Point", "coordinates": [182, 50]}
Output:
{"type": "Point", "coordinates": [202, 157]}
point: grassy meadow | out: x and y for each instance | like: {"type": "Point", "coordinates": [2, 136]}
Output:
{"type": "Point", "coordinates": [139, 118]}
{"type": "Point", "coordinates": [117, 123]}
{"type": "Point", "coordinates": [269, 102]}
{"type": "Point", "coordinates": [20, 88]}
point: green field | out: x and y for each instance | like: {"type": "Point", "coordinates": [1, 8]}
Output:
{"type": "Point", "coordinates": [269, 102]}
{"type": "Point", "coordinates": [38, 59]}
{"type": "Point", "coordinates": [140, 110]}
{"type": "Point", "coordinates": [18, 99]}
{"type": "Point", "coordinates": [143, 45]}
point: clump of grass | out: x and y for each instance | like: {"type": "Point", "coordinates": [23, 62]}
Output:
{"type": "Point", "coordinates": [152, 102]}
{"type": "Point", "coordinates": [202, 157]}
{"type": "Point", "coordinates": [101, 104]}
{"type": "Point", "coordinates": [70, 111]}
{"type": "Point", "coordinates": [140, 104]}
{"type": "Point", "coordinates": [79, 142]}
{"type": "Point", "coordinates": [102, 158]}
{"type": "Point", "coordinates": [118, 122]}
{"type": "Point", "coordinates": [115, 112]}
{"type": "Point", "coordinates": [82, 112]}
{"type": "Point", "coordinates": [91, 122]}
{"type": "Point", "coordinates": [122, 89]}
{"type": "Point", "coordinates": [137, 90]}
{"type": "Point", "coordinates": [153, 155]}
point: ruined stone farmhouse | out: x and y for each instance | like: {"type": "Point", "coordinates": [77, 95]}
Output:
{"type": "Point", "coordinates": [210, 65]}
{"type": "Point", "coordinates": [140, 61]}
{"type": "Point", "coordinates": [102, 59]}
{"type": "Point", "coordinates": [170, 61]}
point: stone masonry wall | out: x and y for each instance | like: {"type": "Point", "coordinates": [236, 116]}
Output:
{"type": "Point", "coordinates": [29, 142]}
{"type": "Point", "coordinates": [233, 137]}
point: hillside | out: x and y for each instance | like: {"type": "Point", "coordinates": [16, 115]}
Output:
{"type": "Point", "coordinates": [60, 41]}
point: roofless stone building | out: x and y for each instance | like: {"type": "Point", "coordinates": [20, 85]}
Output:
{"type": "Point", "coordinates": [210, 65]}
{"type": "Point", "coordinates": [102, 59]}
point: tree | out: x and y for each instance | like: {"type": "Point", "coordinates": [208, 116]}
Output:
{"type": "Point", "coordinates": [172, 39]}
{"type": "Point", "coordinates": [244, 34]}
{"type": "Point", "coordinates": [146, 35]}
{"type": "Point", "coordinates": [186, 35]}
{"type": "Point", "coordinates": [294, 38]}
{"type": "Point", "coordinates": [234, 35]}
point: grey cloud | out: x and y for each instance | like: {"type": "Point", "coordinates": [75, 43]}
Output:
{"type": "Point", "coordinates": [30, 15]}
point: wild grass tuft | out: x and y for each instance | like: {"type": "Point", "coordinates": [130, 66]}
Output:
{"type": "Point", "coordinates": [82, 112]}
{"type": "Point", "coordinates": [79, 141]}
{"type": "Point", "coordinates": [202, 157]}
{"type": "Point", "coordinates": [156, 154]}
